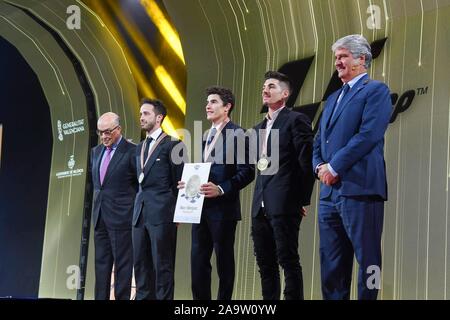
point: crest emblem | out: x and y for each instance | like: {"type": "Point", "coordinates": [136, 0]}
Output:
{"type": "Point", "coordinates": [60, 135]}
{"type": "Point", "coordinates": [71, 162]}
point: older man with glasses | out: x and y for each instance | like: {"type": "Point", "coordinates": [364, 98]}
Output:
{"type": "Point", "coordinates": [113, 168]}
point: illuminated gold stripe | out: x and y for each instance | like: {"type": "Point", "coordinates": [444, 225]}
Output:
{"type": "Point", "coordinates": [143, 46]}
{"type": "Point", "coordinates": [168, 127]}
{"type": "Point", "coordinates": [170, 87]}
{"type": "Point", "coordinates": [140, 78]}
{"type": "Point", "coordinates": [164, 26]}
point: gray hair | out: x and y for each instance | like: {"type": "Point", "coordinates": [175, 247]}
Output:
{"type": "Point", "coordinates": [357, 45]}
{"type": "Point", "coordinates": [117, 120]}
{"type": "Point", "coordinates": [110, 116]}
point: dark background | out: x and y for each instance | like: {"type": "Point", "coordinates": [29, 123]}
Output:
{"type": "Point", "coordinates": [24, 174]}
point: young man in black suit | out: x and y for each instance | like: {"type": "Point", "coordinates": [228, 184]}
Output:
{"type": "Point", "coordinates": [113, 170]}
{"type": "Point", "coordinates": [283, 187]}
{"type": "Point", "coordinates": [230, 172]}
{"type": "Point", "coordinates": [154, 233]}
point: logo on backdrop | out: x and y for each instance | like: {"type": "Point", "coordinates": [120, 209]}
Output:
{"type": "Point", "coordinates": [71, 162]}
{"type": "Point", "coordinates": [69, 128]}
{"type": "Point", "coordinates": [298, 70]}
{"type": "Point", "coordinates": [72, 172]}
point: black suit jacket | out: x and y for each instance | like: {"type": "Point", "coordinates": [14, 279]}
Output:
{"type": "Point", "coordinates": [290, 188]}
{"type": "Point", "coordinates": [157, 194]}
{"type": "Point", "coordinates": [231, 177]}
{"type": "Point", "coordinates": [115, 198]}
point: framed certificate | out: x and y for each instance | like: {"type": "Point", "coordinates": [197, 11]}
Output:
{"type": "Point", "coordinates": [190, 201]}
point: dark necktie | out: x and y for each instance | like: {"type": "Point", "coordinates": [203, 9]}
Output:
{"type": "Point", "coordinates": [211, 136]}
{"type": "Point", "coordinates": [148, 141]}
{"type": "Point", "coordinates": [339, 104]}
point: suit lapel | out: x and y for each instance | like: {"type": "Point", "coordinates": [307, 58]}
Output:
{"type": "Point", "coordinates": [155, 155]}
{"type": "Point", "coordinates": [203, 149]}
{"type": "Point", "coordinates": [97, 161]}
{"type": "Point", "coordinates": [219, 146]}
{"type": "Point", "coordinates": [328, 111]}
{"type": "Point", "coordinates": [204, 139]}
{"type": "Point", "coordinates": [280, 121]}
{"type": "Point", "coordinates": [258, 131]}
{"type": "Point", "coordinates": [138, 157]}
{"type": "Point", "coordinates": [349, 96]}
{"type": "Point", "coordinates": [118, 155]}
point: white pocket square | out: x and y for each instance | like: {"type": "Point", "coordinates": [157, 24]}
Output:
{"type": "Point", "coordinates": [158, 159]}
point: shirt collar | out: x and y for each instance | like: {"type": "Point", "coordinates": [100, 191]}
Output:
{"type": "Point", "coordinates": [217, 126]}
{"type": "Point", "coordinates": [115, 145]}
{"type": "Point", "coordinates": [352, 82]}
{"type": "Point", "coordinates": [274, 114]}
{"type": "Point", "coordinates": [156, 134]}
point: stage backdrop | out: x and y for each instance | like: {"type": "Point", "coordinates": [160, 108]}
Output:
{"type": "Point", "coordinates": [82, 73]}
{"type": "Point", "coordinates": [77, 74]}
{"type": "Point", "coordinates": [232, 43]}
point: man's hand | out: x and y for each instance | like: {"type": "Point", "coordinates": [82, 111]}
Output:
{"type": "Point", "coordinates": [210, 190]}
{"type": "Point", "coordinates": [325, 175]}
{"type": "Point", "coordinates": [181, 184]}
{"type": "Point", "coordinates": [321, 170]}
{"type": "Point", "coordinates": [303, 212]}
{"type": "Point", "coordinates": [329, 179]}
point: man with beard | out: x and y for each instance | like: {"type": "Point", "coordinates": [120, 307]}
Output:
{"type": "Point", "coordinates": [282, 189]}
{"type": "Point", "coordinates": [154, 233]}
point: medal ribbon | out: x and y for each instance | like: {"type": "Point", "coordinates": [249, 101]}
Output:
{"type": "Point", "coordinates": [162, 136]}
{"type": "Point", "coordinates": [209, 148]}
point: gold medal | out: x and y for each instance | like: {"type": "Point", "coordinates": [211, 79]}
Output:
{"type": "Point", "coordinates": [141, 178]}
{"type": "Point", "coordinates": [263, 163]}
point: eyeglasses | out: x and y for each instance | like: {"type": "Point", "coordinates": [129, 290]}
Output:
{"type": "Point", "coordinates": [106, 132]}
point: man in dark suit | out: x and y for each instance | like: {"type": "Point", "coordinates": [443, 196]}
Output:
{"type": "Point", "coordinates": [283, 187]}
{"type": "Point", "coordinates": [230, 172]}
{"type": "Point", "coordinates": [154, 233]}
{"type": "Point", "coordinates": [113, 170]}
{"type": "Point", "coordinates": [349, 161]}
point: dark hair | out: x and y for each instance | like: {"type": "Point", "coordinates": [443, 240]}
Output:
{"type": "Point", "coordinates": [158, 106]}
{"type": "Point", "coordinates": [279, 76]}
{"type": "Point", "coordinates": [224, 93]}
